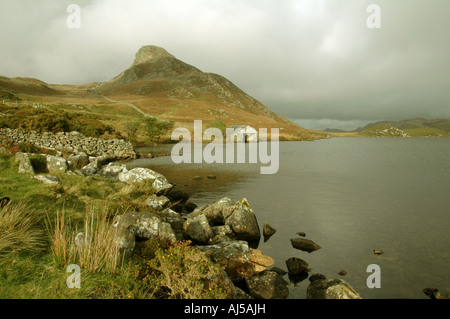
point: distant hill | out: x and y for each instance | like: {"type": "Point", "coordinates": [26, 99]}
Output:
{"type": "Point", "coordinates": [407, 128]}
{"type": "Point", "coordinates": [26, 86]}
{"type": "Point", "coordinates": [418, 123]}
{"type": "Point", "coordinates": [335, 130]}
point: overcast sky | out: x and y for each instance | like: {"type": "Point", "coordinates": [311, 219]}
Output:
{"type": "Point", "coordinates": [313, 61]}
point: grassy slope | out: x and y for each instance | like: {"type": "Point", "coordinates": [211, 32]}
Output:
{"type": "Point", "coordinates": [36, 275]}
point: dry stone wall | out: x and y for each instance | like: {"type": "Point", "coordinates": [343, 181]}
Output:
{"type": "Point", "coordinates": [72, 142]}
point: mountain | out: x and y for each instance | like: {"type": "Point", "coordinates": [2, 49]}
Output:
{"type": "Point", "coordinates": [162, 85]}
{"type": "Point", "coordinates": [156, 84]}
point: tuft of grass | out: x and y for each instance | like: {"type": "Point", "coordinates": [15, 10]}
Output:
{"type": "Point", "coordinates": [95, 250]}
{"type": "Point", "coordinates": [18, 229]}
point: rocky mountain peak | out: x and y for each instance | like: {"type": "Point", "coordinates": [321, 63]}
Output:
{"type": "Point", "coordinates": [150, 53]}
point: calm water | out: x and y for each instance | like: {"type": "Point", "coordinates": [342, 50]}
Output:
{"type": "Point", "coordinates": [350, 195]}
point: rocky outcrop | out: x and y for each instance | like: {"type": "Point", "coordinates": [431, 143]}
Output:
{"type": "Point", "coordinates": [71, 142]}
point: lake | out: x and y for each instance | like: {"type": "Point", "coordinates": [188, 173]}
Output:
{"type": "Point", "coordinates": [349, 195]}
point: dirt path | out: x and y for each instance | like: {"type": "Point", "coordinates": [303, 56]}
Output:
{"type": "Point", "coordinates": [128, 104]}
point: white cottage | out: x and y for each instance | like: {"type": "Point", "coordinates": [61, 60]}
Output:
{"type": "Point", "coordinates": [243, 134]}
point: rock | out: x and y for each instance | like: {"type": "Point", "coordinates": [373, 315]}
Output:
{"type": "Point", "coordinates": [214, 211]}
{"type": "Point", "coordinates": [315, 277]}
{"type": "Point", "coordinates": [304, 244]}
{"type": "Point", "coordinates": [112, 170]}
{"type": "Point", "coordinates": [296, 266]}
{"type": "Point", "coordinates": [224, 230]}
{"type": "Point", "coordinates": [197, 228]}
{"type": "Point", "coordinates": [177, 195]}
{"type": "Point", "coordinates": [158, 203]}
{"type": "Point", "coordinates": [235, 256]}
{"type": "Point", "coordinates": [331, 289]}
{"type": "Point", "coordinates": [267, 285]}
{"type": "Point", "coordinates": [80, 240]}
{"type": "Point", "coordinates": [125, 242]}
{"type": "Point", "coordinates": [278, 270]}
{"type": "Point", "coordinates": [268, 231]}
{"type": "Point", "coordinates": [378, 251]}
{"type": "Point", "coordinates": [434, 293]}
{"type": "Point", "coordinates": [302, 234]}
{"type": "Point", "coordinates": [243, 221]}
{"type": "Point", "coordinates": [25, 165]}
{"type": "Point", "coordinates": [48, 179]}
{"type": "Point", "coordinates": [56, 164]}
{"type": "Point", "coordinates": [139, 175]}
{"type": "Point", "coordinates": [197, 178]}
{"type": "Point", "coordinates": [90, 169]}
{"type": "Point", "coordinates": [247, 264]}
{"type": "Point", "coordinates": [241, 294]}
{"type": "Point", "coordinates": [211, 177]}
{"type": "Point", "coordinates": [190, 206]}
{"type": "Point", "coordinates": [342, 273]}
{"type": "Point", "coordinates": [175, 220]}
{"type": "Point", "coordinates": [146, 225]}
{"type": "Point", "coordinates": [78, 160]}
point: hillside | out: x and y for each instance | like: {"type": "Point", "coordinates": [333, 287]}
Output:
{"type": "Point", "coordinates": [416, 127]}
{"type": "Point", "coordinates": [156, 84]}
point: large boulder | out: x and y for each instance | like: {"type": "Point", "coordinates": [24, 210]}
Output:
{"type": "Point", "coordinates": [331, 289]}
{"type": "Point", "coordinates": [145, 226]}
{"type": "Point", "coordinates": [214, 211]}
{"type": "Point", "coordinates": [139, 175]}
{"type": "Point", "coordinates": [56, 164]}
{"type": "Point", "coordinates": [242, 220]}
{"type": "Point", "coordinates": [267, 285]}
{"type": "Point", "coordinates": [198, 229]}
{"type": "Point", "coordinates": [157, 203]}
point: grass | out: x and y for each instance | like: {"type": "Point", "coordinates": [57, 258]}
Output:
{"type": "Point", "coordinates": [18, 229]}
{"type": "Point", "coordinates": [37, 244]}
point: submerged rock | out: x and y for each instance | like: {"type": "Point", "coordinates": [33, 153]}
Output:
{"type": "Point", "coordinates": [296, 266]}
{"type": "Point", "coordinates": [304, 244]}
{"type": "Point", "coordinates": [268, 231]}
